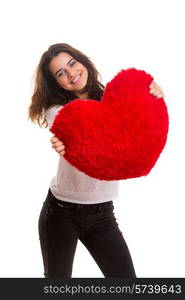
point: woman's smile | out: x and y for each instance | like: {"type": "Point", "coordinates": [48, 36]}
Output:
{"type": "Point", "coordinates": [76, 79]}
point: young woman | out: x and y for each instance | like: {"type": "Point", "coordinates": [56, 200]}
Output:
{"type": "Point", "coordinates": [77, 207]}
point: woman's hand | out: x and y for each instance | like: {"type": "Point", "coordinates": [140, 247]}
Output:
{"type": "Point", "coordinates": [58, 145]}
{"type": "Point", "coordinates": [156, 90]}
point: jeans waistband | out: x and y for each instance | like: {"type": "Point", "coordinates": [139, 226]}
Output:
{"type": "Point", "coordinates": [78, 206]}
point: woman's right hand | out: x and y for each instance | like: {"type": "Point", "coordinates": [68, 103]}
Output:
{"type": "Point", "coordinates": [58, 145]}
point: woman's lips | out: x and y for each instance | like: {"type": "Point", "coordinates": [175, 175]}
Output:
{"type": "Point", "coordinates": [76, 79]}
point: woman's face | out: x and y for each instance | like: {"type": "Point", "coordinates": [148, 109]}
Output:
{"type": "Point", "coordinates": [68, 72]}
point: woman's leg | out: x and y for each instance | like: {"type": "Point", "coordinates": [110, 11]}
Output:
{"type": "Point", "coordinates": [105, 242]}
{"type": "Point", "coordinates": [58, 239]}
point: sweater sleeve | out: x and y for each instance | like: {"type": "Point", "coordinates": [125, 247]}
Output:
{"type": "Point", "coordinates": [51, 113]}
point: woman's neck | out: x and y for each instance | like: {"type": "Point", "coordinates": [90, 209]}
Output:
{"type": "Point", "coordinates": [82, 96]}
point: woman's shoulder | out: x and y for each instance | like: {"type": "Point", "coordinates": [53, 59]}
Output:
{"type": "Point", "coordinates": [51, 112]}
{"type": "Point", "coordinates": [54, 107]}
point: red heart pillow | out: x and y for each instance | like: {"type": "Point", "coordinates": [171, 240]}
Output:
{"type": "Point", "coordinates": [120, 136]}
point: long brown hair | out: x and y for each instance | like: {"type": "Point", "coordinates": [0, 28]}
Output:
{"type": "Point", "coordinates": [48, 93]}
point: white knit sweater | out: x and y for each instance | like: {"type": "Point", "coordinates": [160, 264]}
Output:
{"type": "Point", "coordinates": [72, 185]}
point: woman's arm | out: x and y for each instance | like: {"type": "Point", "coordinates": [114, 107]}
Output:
{"type": "Point", "coordinates": [56, 143]}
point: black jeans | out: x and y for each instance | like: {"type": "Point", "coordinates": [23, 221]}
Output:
{"type": "Point", "coordinates": [62, 223]}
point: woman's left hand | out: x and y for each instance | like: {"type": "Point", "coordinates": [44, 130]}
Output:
{"type": "Point", "coordinates": [156, 90]}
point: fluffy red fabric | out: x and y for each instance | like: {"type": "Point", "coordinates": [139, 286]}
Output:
{"type": "Point", "coordinates": [120, 136]}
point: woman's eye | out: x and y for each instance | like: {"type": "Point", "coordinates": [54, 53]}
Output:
{"type": "Point", "coordinates": [73, 62]}
{"type": "Point", "coordinates": [60, 74]}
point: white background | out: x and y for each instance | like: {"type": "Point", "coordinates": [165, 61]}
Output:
{"type": "Point", "coordinates": [115, 34]}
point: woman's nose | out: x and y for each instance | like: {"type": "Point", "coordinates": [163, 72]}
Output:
{"type": "Point", "coordinates": [71, 73]}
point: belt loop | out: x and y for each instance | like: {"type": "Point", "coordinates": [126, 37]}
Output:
{"type": "Point", "coordinates": [99, 207]}
{"type": "Point", "coordinates": [78, 206]}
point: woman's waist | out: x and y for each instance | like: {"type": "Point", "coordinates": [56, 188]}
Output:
{"type": "Point", "coordinates": [72, 205]}
{"type": "Point", "coordinates": [89, 197]}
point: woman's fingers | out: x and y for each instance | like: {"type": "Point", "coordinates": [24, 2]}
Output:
{"type": "Point", "coordinates": [156, 90]}
{"type": "Point", "coordinates": [58, 144]}
{"type": "Point", "coordinates": [54, 139]}
{"type": "Point", "coordinates": [60, 148]}
{"type": "Point", "coordinates": [62, 153]}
